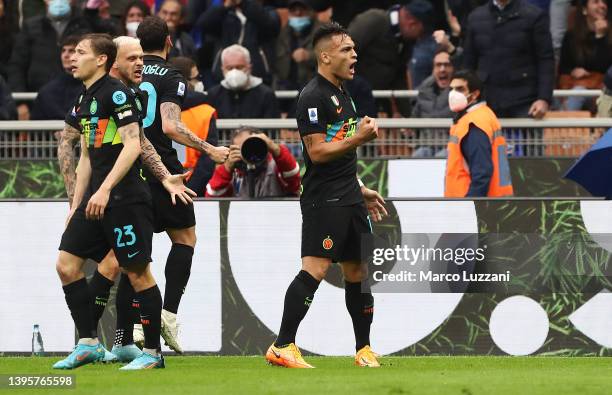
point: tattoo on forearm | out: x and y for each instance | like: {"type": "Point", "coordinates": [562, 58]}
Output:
{"type": "Point", "coordinates": [172, 112]}
{"type": "Point", "coordinates": [151, 159]}
{"type": "Point", "coordinates": [308, 141]}
{"type": "Point", "coordinates": [67, 158]}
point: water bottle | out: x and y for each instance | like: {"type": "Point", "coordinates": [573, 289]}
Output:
{"type": "Point", "coordinates": [37, 342]}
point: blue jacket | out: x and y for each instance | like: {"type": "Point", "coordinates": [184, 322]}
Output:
{"type": "Point", "coordinates": [511, 50]}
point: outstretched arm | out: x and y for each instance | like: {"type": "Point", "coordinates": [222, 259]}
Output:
{"type": "Point", "coordinates": [175, 129]}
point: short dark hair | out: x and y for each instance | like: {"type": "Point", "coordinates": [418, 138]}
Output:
{"type": "Point", "coordinates": [71, 40]}
{"type": "Point", "coordinates": [152, 33]}
{"type": "Point", "coordinates": [174, 1]}
{"type": "Point", "coordinates": [328, 30]}
{"type": "Point", "coordinates": [134, 3]}
{"type": "Point", "coordinates": [183, 64]}
{"type": "Point", "coordinates": [473, 82]}
{"type": "Point", "coordinates": [102, 44]}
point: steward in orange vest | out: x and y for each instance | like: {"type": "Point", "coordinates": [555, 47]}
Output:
{"type": "Point", "coordinates": [477, 163]}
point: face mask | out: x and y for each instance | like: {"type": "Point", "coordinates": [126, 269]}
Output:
{"type": "Point", "coordinates": [236, 79]}
{"type": "Point", "coordinates": [59, 8]}
{"type": "Point", "coordinates": [131, 28]}
{"type": "Point", "coordinates": [457, 101]}
{"type": "Point", "coordinates": [300, 23]}
{"type": "Point", "coordinates": [199, 87]}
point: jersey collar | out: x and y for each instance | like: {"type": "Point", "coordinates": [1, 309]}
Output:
{"type": "Point", "coordinates": [96, 85]}
{"type": "Point", "coordinates": [334, 87]}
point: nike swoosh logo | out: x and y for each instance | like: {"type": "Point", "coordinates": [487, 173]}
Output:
{"type": "Point", "coordinates": [83, 356]}
{"type": "Point", "coordinates": [277, 355]}
{"type": "Point", "coordinates": [132, 255]}
{"type": "Point", "coordinates": [338, 110]}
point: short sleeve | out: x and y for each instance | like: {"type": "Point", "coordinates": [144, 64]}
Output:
{"type": "Point", "coordinates": [173, 90]}
{"type": "Point", "coordinates": [71, 116]}
{"type": "Point", "coordinates": [124, 108]}
{"type": "Point", "coordinates": [311, 115]}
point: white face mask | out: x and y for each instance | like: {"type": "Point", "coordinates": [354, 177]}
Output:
{"type": "Point", "coordinates": [457, 101]}
{"type": "Point", "coordinates": [236, 79]}
{"type": "Point", "coordinates": [131, 28]}
{"type": "Point", "coordinates": [199, 87]}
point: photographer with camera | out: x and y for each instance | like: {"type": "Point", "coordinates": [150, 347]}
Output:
{"type": "Point", "coordinates": [256, 167]}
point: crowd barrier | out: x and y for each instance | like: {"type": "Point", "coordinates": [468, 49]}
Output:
{"type": "Point", "coordinates": [398, 138]}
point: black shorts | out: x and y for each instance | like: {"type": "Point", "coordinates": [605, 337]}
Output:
{"type": "Point", "coordinates": [334, 232]}
{"type": "Point", "coordinates": [169, 216]}
{"type": "Point", "coordinates": [128, 230]}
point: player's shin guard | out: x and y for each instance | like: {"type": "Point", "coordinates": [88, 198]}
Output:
{"type": "Point", "coordinates": [99, 290]}
{"type": "Point", "coordinates": [79, 303]}
{"type": "Point", "coordinates": [360, 305]}
{"type": "Point", "coordinates": [297, 301]}
{"type": "Point", "coordinates": [125, 312]}
{"type": "Point", "coordinates": [178, 270]}
{"type": "Point", "coordinates": [150, 316]}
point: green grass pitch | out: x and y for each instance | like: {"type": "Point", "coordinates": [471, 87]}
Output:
{"type": "Point", "coordinates": [335, 375]}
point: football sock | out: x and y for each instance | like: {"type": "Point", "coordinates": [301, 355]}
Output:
{"type": "Point", "coordinates": [125, 312]}
{"type": "Point", "coordinates": [178, 269]}
{"type": "Point", "coordinates": [297, 301]}
{"type": "Point", "coordinates": [99, 290]}
{"type": "Point", "coordinates": [79, 303]}
{"type": "Point", "coordinates": [150, 315]}
{"type": "Point", "coordinates": [360, 306]}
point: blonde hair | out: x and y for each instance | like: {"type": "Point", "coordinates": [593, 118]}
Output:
{"type": "Point", "coordinates": [125, 40]}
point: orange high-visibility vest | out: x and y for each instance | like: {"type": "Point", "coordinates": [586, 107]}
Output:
{"type": "Point", "coordinates": [457, 180]}
{"type": "Point", "coordinates": [197, 119]}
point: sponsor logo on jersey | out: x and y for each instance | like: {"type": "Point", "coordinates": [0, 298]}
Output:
{"type": "Point", "coordinates": [328, 243]}
{"type": "Point", "coordinates": [125, 114]}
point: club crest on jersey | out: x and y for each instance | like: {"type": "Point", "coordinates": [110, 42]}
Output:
{"type": "Point", "coordinates": [328, 243]}
{"type": "Point", "coordinates": [335, 100]}
{"type": "Point", "coordinates": [312, 115]}
{"type": "Point", "coordinates": [119, 98]}
{"type": "Point", "coordinates": [93, 107]}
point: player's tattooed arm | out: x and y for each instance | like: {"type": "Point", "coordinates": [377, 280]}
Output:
{"type": "Point", "coordinates": [174, 184]}
{"type": "Point", "coordinates": [66, 156]}
{"type": "Point", "coordinates": [151, 159]}
{"type": "Point", "coordinates": [174, 128]}
{"type": "Point", "coordinates": [83, 175]}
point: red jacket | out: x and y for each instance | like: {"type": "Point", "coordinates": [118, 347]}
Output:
{"type": "Point", "coordinates": [286, 180]}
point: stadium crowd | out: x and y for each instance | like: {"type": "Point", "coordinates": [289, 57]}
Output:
{"type": "Point", "coordinates": [244, 50]}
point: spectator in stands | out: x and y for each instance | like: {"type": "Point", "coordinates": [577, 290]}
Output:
{"type": "Point", "coordinates": [604, 103]}
{"type": "Point", "coordinates": [8, 111]}
{"type": "Point", "coordinates": [295, 61]}
{"type": "Point", "coordinates": [432, 102]}
{"type": "Point", "coordinates": [8, 28]}
{"type": "Point", "coordinates": [55, 97]}
{"type": "Point", "coordinates": [172, 12]}
{"type": "Point", "coordinates": [424, 47]}
{"type": "Point", "coordinates": [509, 44]}
{"type": "Point", "coordinates": [477, 164]}
{"type": "Point", "coordinates": [278, 175]}
{"type": "Point", "coordinates": [247, 23]}
{"type": "Point", "coordinates": [135, 12]}
{"type": "Point", "coordinates": [201, 119]}
{"type": "Point", "coordinates": [240, 94]}
{"type": "Point", "coordinates": [383, 39]}
{"type": "Point", "coordinates": [36, 53]}
{"type": "Point", "coordinates": [586, 52]}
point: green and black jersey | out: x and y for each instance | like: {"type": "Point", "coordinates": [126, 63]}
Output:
{"type": "Point", "coordinates": [98, 114]}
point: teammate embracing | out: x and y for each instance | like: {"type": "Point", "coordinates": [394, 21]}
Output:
{"type": "Point", "coordinates": [111, 207]}
{"type": "Point", "coordinates": [334, 202]}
